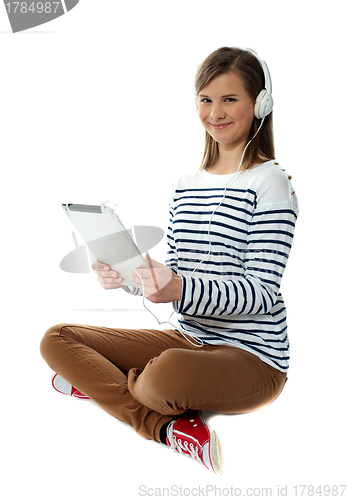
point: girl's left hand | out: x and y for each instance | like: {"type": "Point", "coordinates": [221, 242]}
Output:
{"type": "Point", "coordinates": [161, 284]}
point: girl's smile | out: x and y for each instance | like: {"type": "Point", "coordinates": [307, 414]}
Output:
{"type": "Point", "coordinates": [220, 126]}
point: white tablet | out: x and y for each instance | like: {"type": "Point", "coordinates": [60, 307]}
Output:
{"type": "Point", "coordinates": [107, 238]}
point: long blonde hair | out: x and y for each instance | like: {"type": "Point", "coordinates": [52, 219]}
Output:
{"type": "Point", "coordinates": [248, 68]}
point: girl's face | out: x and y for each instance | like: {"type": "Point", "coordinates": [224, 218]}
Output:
{"type": "Point", "coordinates": [226, 110]}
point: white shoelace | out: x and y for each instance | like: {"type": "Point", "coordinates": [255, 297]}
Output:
{"type": "Point", "coordinates": [180, 446]}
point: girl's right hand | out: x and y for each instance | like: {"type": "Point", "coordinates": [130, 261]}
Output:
{"type": "Point", "coordinates": [108, 278]}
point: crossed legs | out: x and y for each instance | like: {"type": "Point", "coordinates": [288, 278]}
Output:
{"type": "Point", "coordinates": [146, 377]}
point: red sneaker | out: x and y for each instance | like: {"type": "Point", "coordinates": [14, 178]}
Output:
{"type": "Point", "coordinates": [191, 435]}
{"type": "Point", "coordinates": [62, 386]}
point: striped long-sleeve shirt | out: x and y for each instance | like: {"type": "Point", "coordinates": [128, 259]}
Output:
{"type": "Point", "coordinates": [233, 297]}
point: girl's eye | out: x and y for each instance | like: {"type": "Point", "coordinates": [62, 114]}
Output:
{"type": "Point", "coordinates": [206, 100]}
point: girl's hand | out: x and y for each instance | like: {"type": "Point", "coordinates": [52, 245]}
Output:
{"type": "Point", "coordinates": [108, 278]}
{"type": "Point", "coordinates": [160, 283]}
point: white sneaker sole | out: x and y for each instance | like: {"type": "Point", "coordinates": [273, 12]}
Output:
{"type": "Point", "coordinates": [62, 386]}
{"type": "Point", "coordinates": [214, 454]}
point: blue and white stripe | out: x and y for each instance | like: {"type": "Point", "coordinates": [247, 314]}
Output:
{"type": "Point", "coordinates": [233, 297]}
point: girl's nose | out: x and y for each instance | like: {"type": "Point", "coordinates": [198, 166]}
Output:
{"type": "Point", "coordinates": [217, 113]}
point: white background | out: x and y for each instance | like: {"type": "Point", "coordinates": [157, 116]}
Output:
{"type": "Point", "coordinates": [97, 105]}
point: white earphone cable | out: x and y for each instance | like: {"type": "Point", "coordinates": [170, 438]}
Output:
{"type": "Point", "coordinates": [224, 196]}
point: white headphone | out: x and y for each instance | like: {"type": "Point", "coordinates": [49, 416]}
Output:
{"type": "Point", "coordinates": [264, 101]}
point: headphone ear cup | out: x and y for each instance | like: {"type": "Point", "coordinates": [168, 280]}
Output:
{"type": "Point", "coordinates": [263, 104]}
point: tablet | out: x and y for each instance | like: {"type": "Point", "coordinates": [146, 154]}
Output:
{"type": "Point", "coordinates": [107, 238]}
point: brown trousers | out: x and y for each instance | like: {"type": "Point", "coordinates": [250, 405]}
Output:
{"type": "Point", "coordinates": [145, 377]}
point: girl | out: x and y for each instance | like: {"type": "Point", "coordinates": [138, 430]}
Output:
{"type": "Point", "coordinates": [230, 234]}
